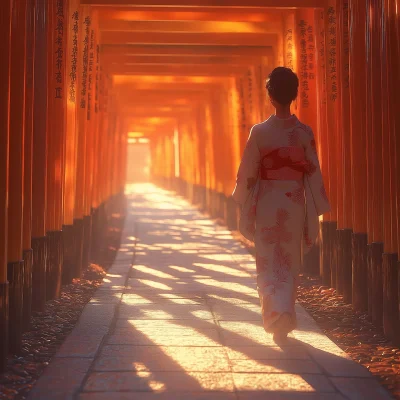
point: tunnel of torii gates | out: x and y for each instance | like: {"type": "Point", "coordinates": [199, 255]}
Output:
{"type": "Point", "coordinates": [81, 78]}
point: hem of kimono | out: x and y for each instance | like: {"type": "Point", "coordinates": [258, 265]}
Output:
{"type": "Point", "coordinates": [270, 327]}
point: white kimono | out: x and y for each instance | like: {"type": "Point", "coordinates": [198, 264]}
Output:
{"type": "Point", "coordinates": [281, 191]}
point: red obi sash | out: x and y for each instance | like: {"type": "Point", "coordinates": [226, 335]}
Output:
{"type": "Point", "coordinates": [283, 163]}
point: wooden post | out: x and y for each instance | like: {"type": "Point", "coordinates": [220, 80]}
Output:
{"type": "Point", "coordinates": [394, 46]}
{"type": "Point", "coordinates": [330, 145]}
{"type": "Point", "coordinates": [81, 165]}
{"type": "Point", "coordinates": [84, 123]}
{"type": "Point", "coordinates": [5, 28]}
{"type": "Point", "coordinates": [391, 321]}
{"type": "Point", "coordinates": [56, 140]}
{"type": "Point", "coordinates": [358, 154]}
{"type": "Point", "coordinates": [344, 232]}
{"type": "Point", "coordinates": [39, 159]}
{"type": "Point", "coordinates": [71, 76]}
{"type": "Point", "coordinates": [28, 148]}
{"type": "Point", "coordinates": [15, 271]}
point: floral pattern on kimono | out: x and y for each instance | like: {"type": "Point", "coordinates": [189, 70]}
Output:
{"type": "Point", "coordinates": [281, 192]}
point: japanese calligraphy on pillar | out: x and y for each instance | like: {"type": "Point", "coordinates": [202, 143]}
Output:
{"type": "Point", "coordinates": [96, 104]}
{"type": "Point", "coordinates": [346, 45]}
{"type": "Point", "coordinates": [331, 51]}
{"type": "Point", "coordinates": [59, 49]}
{"type": "Point", "coordinates": [87, 24]}
{"type": "Point", "coordinates": [74, 55]}
{"type": "Point", "coordinates": [289, 41]}
{"type": "Point", "coordinates": [289, 48]}
{"type": "Point", "coordinates": [321, 57]}
{"type": "Point", "coordinates": [250, 93]}
{"type": "Point", "coordinates": [307, 61]}
{"type": "Point", "coordinates": [90, 76]}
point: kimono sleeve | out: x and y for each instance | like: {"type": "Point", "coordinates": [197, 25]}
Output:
{"type": "Point", "coordinates": [314, 175]}
{"type": "Point", "coordinates": [248, 170]}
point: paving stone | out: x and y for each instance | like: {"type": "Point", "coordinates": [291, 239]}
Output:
{"type": "Point", "coordinates": [158, 323]}
{"type": "Point", "coordinates": [361, 389]}
{"type": "Point", "coordinates": [282, 382]}
{"type": "Point", "coordinates": [153, 358]}
{"type": "Point", "coordinates": [106, 297]}
{"type": "Point", "coordinates": [77, 345]}
{"type": "Point", "coordinates": [211, 339]}
{"type": "Point", "coordinates": [97, 314]}
{"type": "Point", "coordinates": [283, 395]}
{"type": "Point", "coordinates": [275, 366]}
{"type": "Point", "coordinates": [245, 333]}
{"type": "Point", "coordinates": [237, 313]}
{"type": "Point", "coordinates": [61, 379]}
{"type": "Point", "coordinates": [339, 364]}
{"type": "Point", "coordinates": [267, 353]}
{"type": "Point", "coordinates": [175, 301]}
{"type": "Point", "coordinates": [159, 396]}
{"type": "Point", "coordinates": [159, 381]}
{"type": "Point", "coordinates": [164, 311]}
{"type": "Point", "coordinates": [166, 330]}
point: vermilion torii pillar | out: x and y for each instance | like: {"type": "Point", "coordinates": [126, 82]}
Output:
{"type": "Point", "coordinates": [15, 270]}
{"type": "Point", "coordinates": [5, 28]}
{"type": "Point", "coordinates": [39, 158]}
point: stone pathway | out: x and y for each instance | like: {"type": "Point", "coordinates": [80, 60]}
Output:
{"type": "Point", "coordinates": [178, 318]}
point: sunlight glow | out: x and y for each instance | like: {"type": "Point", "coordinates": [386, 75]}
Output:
{"type": "Point", "coordinates": [181, 269]}
{"type": "Point", "coordinates": [153, 271]}
{"type": "Point", "coordinates": [156, 285]}
{"type": "Point", "coordinates": [231, 286]}
{"type": "Point", "coordinates": [222, 269]}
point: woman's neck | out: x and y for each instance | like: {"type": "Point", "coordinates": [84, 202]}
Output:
{"type": "Point", "coordinates": [283, 112]}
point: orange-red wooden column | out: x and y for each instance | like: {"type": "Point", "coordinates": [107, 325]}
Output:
{"type": "Point", "coordinates": [373, 132]}
{"type": "Point", "coordinates": [327, 227]}
{"type": "Point", "coordinates": [71, 19]}
{"type": "Point", "coordinates": [391, 281]}
{"type": "Point", "coordinates": [344, 233]}
{"type": "Point", "coordinates": [329, 144]}
{"type": "Point", "coordinates": [16, 171]}
{"type": "Point", "coordinates": [39, 158]}
{"type": "Point", "coordinates": [358, 150]}
{"type": "Point", "coordinates": [345, 197]}
{"type": "Point", "coordinates": [28, 148]}
{"type": "Point", "coordinates": [5, 29]}
{"type": "Point", "coordinates": [56, 92]}
{"type": "Point", "coordinates": [82, 219]}
{"type": "Point", "coordinates": [393, 8]}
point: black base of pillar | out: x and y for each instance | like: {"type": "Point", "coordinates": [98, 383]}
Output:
{"type": "Point", "coordinates": [79, 235]}
{"type": "Point", "coordinates": [4, 322]}
{"type": "Point", "coordinates": [69, 255]}
{"type": "Point", "coordinates": [344, 263]}
{"type": "Point", "coordinates": [39, 268]}
{"type": "Point", "coordinates": [328, 233]}
{"type": "Point", "coordinates": [360, 271]}
{"type": "Point", "coordinates": [221, 206]}
{"type": "Point", "coordinates": [94, 232]}
{"type": "Point", "coordinates": [27, 308]}
{"type": "Point", "coordinates": [375, 283]}
{"type": "Point", "coordinates": [15, 276]}
{"type": "Point", "coordinates": [390, 297]}
{"type": "Point", "coordinates": [54, 264]}
{"type": "Point", "coordinates": [231, 216]}
{"type": "Point", "coordinates": [87, 234]}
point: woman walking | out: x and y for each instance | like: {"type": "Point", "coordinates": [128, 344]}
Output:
{"type": "Point", "coordinates": [280, 189]}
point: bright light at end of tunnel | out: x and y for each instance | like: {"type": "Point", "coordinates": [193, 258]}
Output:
{"type": "Point", "coordinates": [138, 140]}
{"type": "Point", "coordinates": [135, 134]}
